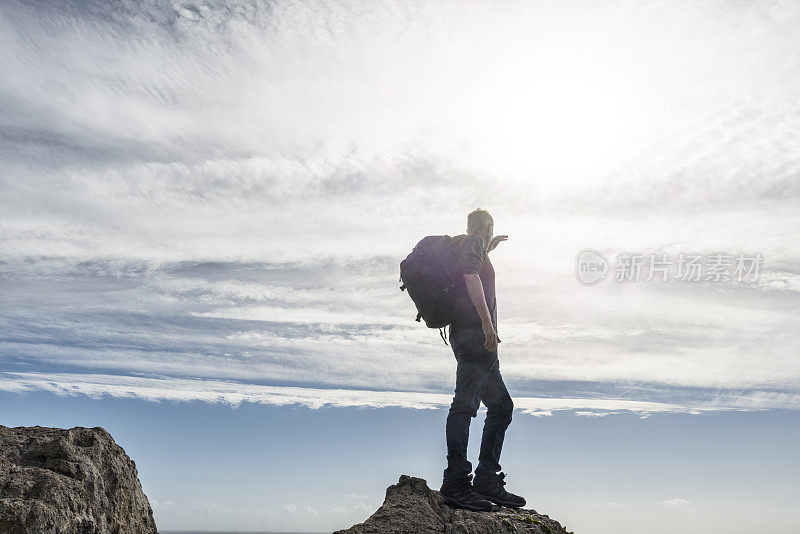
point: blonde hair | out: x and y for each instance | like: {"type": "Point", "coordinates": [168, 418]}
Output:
{"type": "Point", "coordinates": [479, 221]}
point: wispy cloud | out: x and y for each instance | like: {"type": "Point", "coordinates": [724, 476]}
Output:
{"type": "Point", "coordinates": [161, 505]}
{"type": "Point", "coordinates": [288, 509]}
{"type": "Point", "coordinates": [677, 502]}
{"type": "Point", "coordinates": [221, 193]}
{"type": "Point", "coordinates": [346, 325]}
{"type": "Point", "coordinates": [235, 393]}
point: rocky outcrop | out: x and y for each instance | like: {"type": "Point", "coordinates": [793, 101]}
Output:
{"type": "Point", "coordinates": [69, 481]}
{"type": "Point", "coordinates": [411, 507]}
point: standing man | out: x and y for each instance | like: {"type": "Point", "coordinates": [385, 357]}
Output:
{"type": "Point", "coordinates": [473, 338]}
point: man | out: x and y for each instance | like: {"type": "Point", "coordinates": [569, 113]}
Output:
{"type": "Point", "coordinates": [473, 338]}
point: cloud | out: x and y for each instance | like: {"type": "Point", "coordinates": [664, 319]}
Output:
{"type": "Point", "coordinates": [344, 325]}
{"type": "Point", "coordinates": [161, 505]}
{"type": "Point", "coordinates": [221, 193]}
{"type": "Point", "coordinates": [229, 511]}
{"type": "Point", "coordinates": [234, 393]}
{"type": "Point", "coordinates": [362, 507]}
{"type": "Point", "coordinates": [210, 508]}
{"type": "Point", "coordinates": [677, 502]}
{"type": "Point", "coordinates": [288, 509]}
{"type": "Point", "coordinates": [229, 129]}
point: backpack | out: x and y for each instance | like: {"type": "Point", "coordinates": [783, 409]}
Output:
{"type": "Point", "coordinates": [431, 275]}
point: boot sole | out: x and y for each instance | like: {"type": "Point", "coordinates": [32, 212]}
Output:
{"type": "Point", "coordinates": [507, 504]}
{"type": "Point", "coordinates": [457, 504]}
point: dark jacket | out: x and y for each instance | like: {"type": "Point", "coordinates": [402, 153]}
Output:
{"type": "Point", "coordinates": [471, 257]}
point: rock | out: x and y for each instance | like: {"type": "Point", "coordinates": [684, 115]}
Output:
{"type": "Point", "coordinates": [411, 507]}
{"type": "Point", "coordinates": [69, 481]}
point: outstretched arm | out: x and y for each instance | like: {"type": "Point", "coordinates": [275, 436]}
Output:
{"type": "Point", "coordinates": [495, 241]}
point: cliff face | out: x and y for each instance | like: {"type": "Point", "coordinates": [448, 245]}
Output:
{"type": "Point", "coordinates": [411, 507]}
{"type": "Point", "coordinates": [59, 481]}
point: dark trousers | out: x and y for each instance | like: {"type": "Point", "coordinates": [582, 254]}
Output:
{"type": "Point", "coordinates": [477, 379]}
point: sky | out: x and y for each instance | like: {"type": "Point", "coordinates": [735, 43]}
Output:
{"type": "Point", "coordinates": [203, 208]}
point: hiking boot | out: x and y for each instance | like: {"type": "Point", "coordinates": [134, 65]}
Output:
{"type": "Point", "coordinates": [463, 496]}
{"type": "Point", "coordinates": [495, 492]}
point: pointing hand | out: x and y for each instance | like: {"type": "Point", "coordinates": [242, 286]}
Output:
{"type": "Point", "coordinates": [495, 241]}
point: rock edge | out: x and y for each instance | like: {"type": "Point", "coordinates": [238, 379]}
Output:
{"type": "Point", "coordinates": [64, 481]}
{"type": "Point", "coordinates": [411, 507]}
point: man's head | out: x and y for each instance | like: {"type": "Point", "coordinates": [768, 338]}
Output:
{"type": "Point", "coordinates": [480, 223]}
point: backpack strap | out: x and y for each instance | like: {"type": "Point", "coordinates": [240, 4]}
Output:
{"type": "Point", "coordinates": [441, 334]}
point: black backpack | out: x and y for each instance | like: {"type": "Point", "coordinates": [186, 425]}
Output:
{"type": "Point", "coordinates": [431, 276]}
